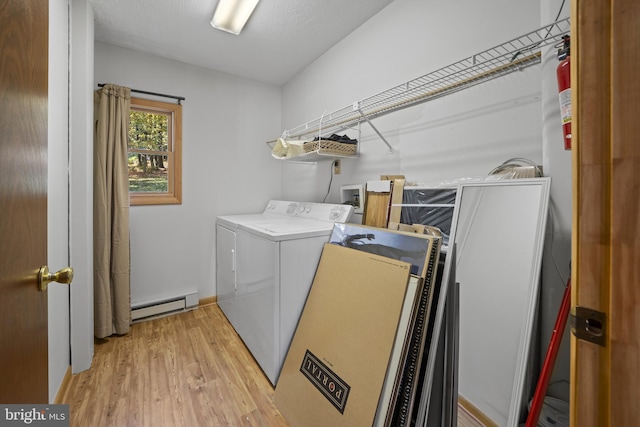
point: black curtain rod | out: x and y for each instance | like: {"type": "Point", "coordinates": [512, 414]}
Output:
{"type": "Point", "coordinates": [179, 98]}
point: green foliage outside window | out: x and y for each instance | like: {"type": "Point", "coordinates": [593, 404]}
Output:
{"type": "Point", "coordinates": [148, 141]}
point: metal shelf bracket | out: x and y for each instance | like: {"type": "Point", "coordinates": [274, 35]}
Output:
{"type": "Point", "coordinates": [366, 119]}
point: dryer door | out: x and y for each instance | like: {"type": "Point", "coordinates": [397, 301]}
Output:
{"type": "Point", "coordinates": [226, 270]}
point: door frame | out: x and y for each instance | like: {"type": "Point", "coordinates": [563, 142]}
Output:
{"type": "Point", "coordinates": [81, 183]}
{"type": "Point", "coordinates": [605, 380]}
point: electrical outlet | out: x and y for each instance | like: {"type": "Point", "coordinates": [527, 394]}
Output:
{"type": "Point", "coordinates": [336, 167]}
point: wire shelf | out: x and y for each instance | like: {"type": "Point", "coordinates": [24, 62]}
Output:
{"type": "Point", "coordinates": [514, 55]}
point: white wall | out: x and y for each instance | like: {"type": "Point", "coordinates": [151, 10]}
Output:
{"type": "Point", "coordinates": [465, 134]}
{"type": "Point", "coordinates": [58, 193]}
{"type": "Point", "coordinates": [226, 168]}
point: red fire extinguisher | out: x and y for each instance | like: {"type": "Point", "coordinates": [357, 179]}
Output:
{"type": "Point", "coordinates": [563, 73]}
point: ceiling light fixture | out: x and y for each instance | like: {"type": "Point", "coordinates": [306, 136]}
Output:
{"type": "Point", "coordinates": [232, 15]}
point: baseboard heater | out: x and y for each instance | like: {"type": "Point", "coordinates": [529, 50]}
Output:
{"type": "Point", "coordinates": [164, 307]}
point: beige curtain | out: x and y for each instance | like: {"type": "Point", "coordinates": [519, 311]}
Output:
{"type": "Point", "coordinates": [111, 259]}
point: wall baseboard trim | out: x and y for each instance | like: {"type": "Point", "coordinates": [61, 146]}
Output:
{"type": "Point", "coordinates": [64, 387]}
{"type": "Point", "coordinates": [474, 412]}
{"type": "Point", "coordinates": [207, 301]}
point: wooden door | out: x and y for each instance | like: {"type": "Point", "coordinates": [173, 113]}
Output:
{"type": "Point", "coordinates": [605, 380]}
{"type": "Point", "coordinates": [23, 200]}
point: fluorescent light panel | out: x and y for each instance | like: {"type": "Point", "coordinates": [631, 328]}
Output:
{"type": "Point", "coordinates": [232, 15]}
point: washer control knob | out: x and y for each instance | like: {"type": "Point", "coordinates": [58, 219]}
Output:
{"type": "Point", "coordinates": [336, 213]}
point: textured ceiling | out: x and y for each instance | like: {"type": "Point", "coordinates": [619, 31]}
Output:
{"type": "Point", "coordinates": [280, 39]}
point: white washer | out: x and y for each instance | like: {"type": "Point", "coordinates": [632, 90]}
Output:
{"type": "Point", "coordinates": [265, 264]}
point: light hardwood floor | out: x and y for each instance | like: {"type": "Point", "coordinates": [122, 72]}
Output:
{"type": "Point", "coordinates": [190, 370]}
{"type": "Point", "coordinates": [185, 370]}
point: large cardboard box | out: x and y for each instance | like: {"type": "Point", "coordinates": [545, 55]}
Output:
{"type": "Point", "coordinates": [335, 368]}
{"type": "Point", "coordinates": [423, 252]}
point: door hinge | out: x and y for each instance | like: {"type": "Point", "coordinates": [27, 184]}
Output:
{"type": "Point", "coordinates": [588, 325]}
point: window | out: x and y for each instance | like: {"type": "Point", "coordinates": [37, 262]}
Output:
{"type": "Point", "coordinates": [155, 152]}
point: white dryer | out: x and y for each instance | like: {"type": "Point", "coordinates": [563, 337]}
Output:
{"type": "Point", "coordinates": [265, 264]}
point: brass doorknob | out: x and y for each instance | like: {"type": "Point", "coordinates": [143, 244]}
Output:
{"type": "Point", "coordinates": [62, 276]}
